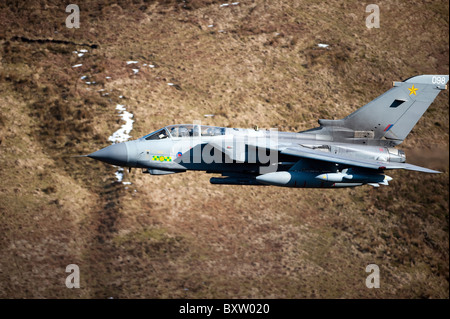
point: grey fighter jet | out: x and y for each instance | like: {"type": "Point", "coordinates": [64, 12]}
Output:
{"type": "Point", "coordinates": [352, 151]}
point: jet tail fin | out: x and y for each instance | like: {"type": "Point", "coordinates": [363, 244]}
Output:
{"type": "Point", "coordinates": [393, 114]}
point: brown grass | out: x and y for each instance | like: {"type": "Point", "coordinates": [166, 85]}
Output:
{"type": "Point", "coordinates": [178, 236]}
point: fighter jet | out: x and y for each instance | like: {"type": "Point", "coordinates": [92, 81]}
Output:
{"type": "Point", "coordinates": [353, 151]}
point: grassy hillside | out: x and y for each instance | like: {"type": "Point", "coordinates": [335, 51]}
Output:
{"type": "Point", "coordinates": [255, 63]}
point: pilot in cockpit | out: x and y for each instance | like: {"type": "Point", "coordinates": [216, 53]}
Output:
{"type": "Point", "coordinates": [174, 131]}
{"type": "Point", "coordinates": [183, 131]}
{"type": "Point", "coordinates": [196, 130]}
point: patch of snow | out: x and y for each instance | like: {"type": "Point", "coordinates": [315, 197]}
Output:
{"type": "Point", "coordinates": [209, 115]}
{"type": "Point", "coordinates": [80, 55]}
{"type": "Point", "coordinates": [107, 77]}
{"type": "Point", "coordinates": [170, 84]}
{"type": "Point", "coordinates": [132, 62]}
{"type": "Point", "coordinates": [120, 96]}
{"type": "Point", "coordinates": [77, 65]}
{"type": "Point", "coordinates": [120, 107]}
{"type": "Point", "coordinates": [151, 65]}
{"type": "Point", "coordinates": [83, 77]}
{"type": "Point", "coordinates": [211, 25]}
{"type": "Point", "coordinates": [119, 174]}
{"type": "Point", "coordinates": [83, 50]}
{"type": "Point", "coordinates": [135, 71]}
{"type": "Point", "coordinates": [88, 83]}
{"type": "Point", "coordinates": [122, 134]}
{"type": "Point", "coordinates": [227, 4]}
{"type": "Point", "coordinates": [323, 45]}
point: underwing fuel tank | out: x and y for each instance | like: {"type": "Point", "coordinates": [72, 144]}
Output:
{"type": "Point", "coordinates": [301, 180]}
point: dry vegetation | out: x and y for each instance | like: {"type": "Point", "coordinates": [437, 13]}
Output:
{"type": "Point", "coordinates": [179, 236]}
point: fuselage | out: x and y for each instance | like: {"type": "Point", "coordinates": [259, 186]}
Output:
{"type": "Point", "coordinates": [238, 154]}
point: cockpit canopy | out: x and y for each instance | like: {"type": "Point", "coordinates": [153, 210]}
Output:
{"type": "Point", "coordinates": [158, 135]}
{"type": "Point", "coordinates": [185, 130]}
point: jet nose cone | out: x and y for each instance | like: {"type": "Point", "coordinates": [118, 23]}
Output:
{"type": "Point", "coordinates": [116, 154]}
